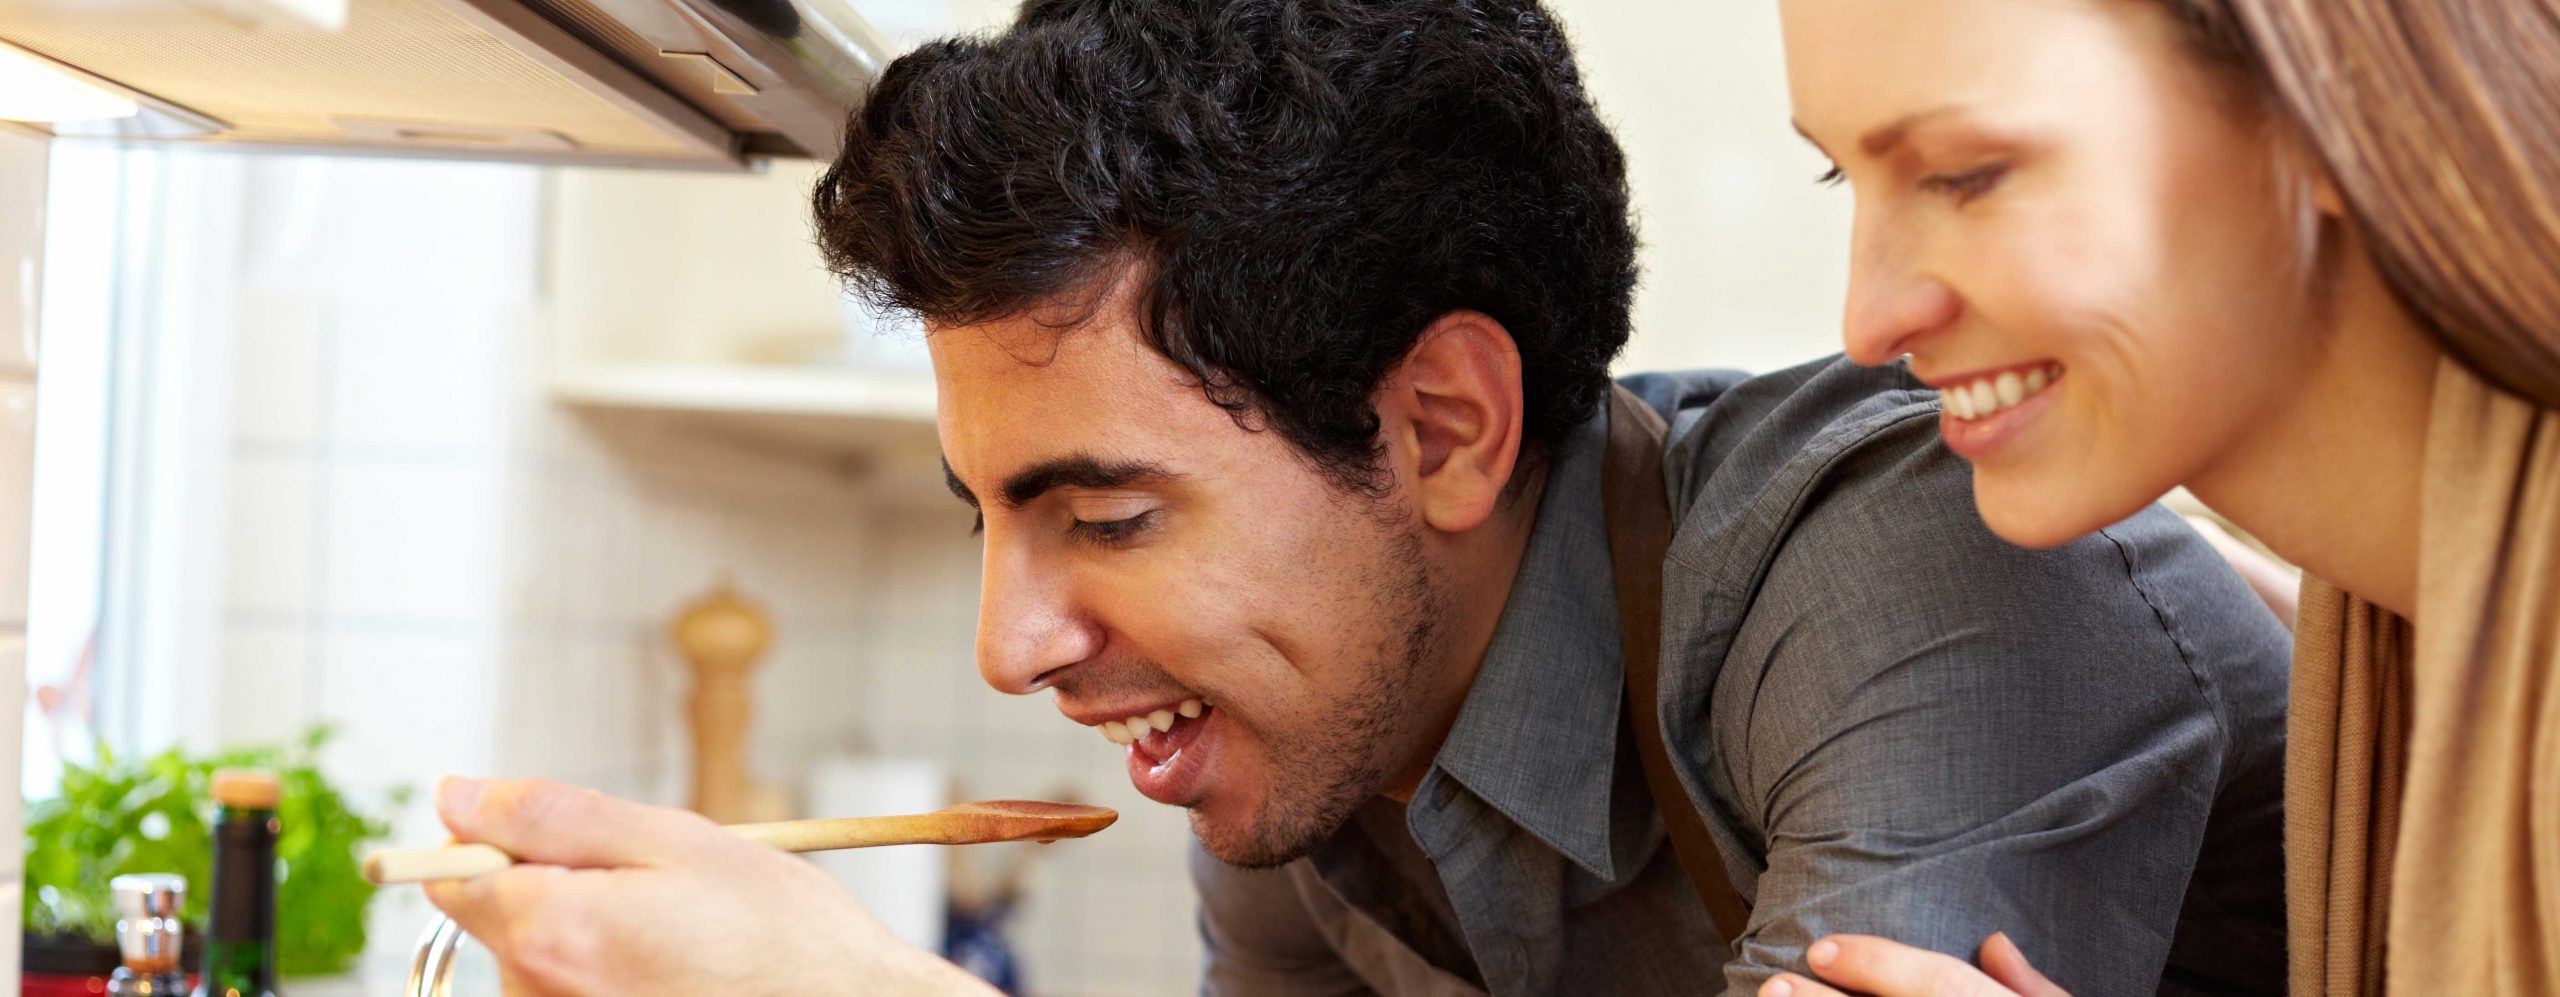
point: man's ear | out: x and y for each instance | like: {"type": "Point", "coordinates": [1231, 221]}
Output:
{"type": "Point", "coordinates": [1455, 405]}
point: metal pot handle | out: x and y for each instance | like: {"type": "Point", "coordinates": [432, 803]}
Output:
{"type": "Point", "coordinates": [431, 966]}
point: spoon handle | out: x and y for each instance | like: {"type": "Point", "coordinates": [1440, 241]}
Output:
{"type": "Point", "coordinates": [955, 826]}
{"type": "Point", "coordinates": [830, 833]}
{"type": "Point", "coordinates": [420, 865]}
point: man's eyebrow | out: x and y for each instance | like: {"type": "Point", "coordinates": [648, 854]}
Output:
{"type": "Point", "coordinates": [1079, 471]}
{"type": "Point", "coordinates": [1070, 471]}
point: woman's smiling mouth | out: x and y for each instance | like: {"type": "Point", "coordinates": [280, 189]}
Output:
{"type": "Point", "coordinates": [1980, 396]}
{"type": "Point", "coordinates": [1983, 410]}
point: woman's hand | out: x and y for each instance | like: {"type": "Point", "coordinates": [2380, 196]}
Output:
{"type": "Point", "coordinates": [1891, 969]}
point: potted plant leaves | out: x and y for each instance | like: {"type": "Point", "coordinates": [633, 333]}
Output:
{"type": "Point", "coordinates": [155, 814]}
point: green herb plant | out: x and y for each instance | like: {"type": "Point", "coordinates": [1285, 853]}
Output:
{"type": "Point", "coordinates": [156, 815]}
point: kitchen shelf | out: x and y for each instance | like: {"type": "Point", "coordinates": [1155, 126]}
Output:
{"type": "Point", "coordinates": [754, 389]}
{"type": "Point", "coordinates": [868, 420]}
{"type": "Point", "coordinates": [674, 298]}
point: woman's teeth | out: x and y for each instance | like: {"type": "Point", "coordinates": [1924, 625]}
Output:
{"type": "Point", "coordinates": [1983, 397]}
{"type": "Point", "coordinates": [1130, 730]}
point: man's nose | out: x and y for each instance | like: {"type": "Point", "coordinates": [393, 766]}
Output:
{"type": "Point", "coordinates": [1029, 626]}
{"type": "Point", "coordinates": [1895, 301]}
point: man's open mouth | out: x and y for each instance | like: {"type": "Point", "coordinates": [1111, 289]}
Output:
{"type": "Point", "coordinates": [1166, 749]}
{"type": "Point", "coordinates": [1159, 722]}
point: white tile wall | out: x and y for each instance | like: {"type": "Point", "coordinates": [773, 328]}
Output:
{"type": "Point", "coordinates": [412, 699]}
{"type": "Point", "coordinates": [279, 336]}
{"type": "Point", "coordinates": [271, 532]}
{"type": "Point", "coordinates": [409, 541]}
{"type": "Point", "coordinates": [267, 691]}
{"type": "Point", "coordinates": [430, 380]}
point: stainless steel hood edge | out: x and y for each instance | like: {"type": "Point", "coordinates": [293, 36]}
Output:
{"type": "Point", "coordinates": [718, 83]}
{"type": "Point", "coordinates": [539, 39]}
{"type": "Point", "coordinates": [805, 64]}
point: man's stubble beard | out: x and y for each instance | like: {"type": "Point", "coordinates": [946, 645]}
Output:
{"type": "Point", "coordinates": [1336, 769]}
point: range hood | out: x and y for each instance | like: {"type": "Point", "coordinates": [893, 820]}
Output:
{"type": "Point", "coordinates": [683, 83]}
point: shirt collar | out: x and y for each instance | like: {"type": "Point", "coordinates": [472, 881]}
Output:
{"type": "Point", "coordinates": [1537, 735]}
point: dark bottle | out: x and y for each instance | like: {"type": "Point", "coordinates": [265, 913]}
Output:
{"type": "Point", "coordinates": [149, 931]}
{"type": "Point", "coordinates": [240, 937]}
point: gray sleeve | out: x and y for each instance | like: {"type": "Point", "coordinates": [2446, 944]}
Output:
{"type": "Point", "coordinates": [1936, 735]}
{"type": "Point", "coordinates": [1258, 936]}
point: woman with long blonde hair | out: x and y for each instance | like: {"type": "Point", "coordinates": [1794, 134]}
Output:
{"type": "Point", "coordinates": [2302, 257]}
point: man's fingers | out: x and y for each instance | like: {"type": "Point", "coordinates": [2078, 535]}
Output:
{"type": "Point", "coordinates": [528, 917]}
{"type": "Point", "coordinates": [552, 823]}
{"type": "Point", "coordinates": [1891, 969]}
{"type": "Point", "coordinates": [514, 984]}
{"type": "Point", "coordinates": [2002, 959]}
{"type": "Point", "coordinates": [490, 907]}
{"type": "Point", "coordinates": [1791, 985]}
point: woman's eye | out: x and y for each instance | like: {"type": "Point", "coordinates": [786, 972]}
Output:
{"type": "Point", "coordinates": [1112, 533]}
{"type": "Point", "coordinates": [1831, 177]}
{"type": "Point", "coordinates": [1968, 185]}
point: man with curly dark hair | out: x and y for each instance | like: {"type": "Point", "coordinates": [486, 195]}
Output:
{"type": "Point", "coordinates": [1272, 340]}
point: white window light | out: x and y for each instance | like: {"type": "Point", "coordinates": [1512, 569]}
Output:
{"type": "Point", "coordinates": [32, 89]}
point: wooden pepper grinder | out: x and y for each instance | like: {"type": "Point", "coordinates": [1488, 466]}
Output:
{"type": "Point", "coordinates": [723, 637]}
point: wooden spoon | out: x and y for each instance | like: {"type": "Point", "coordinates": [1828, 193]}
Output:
{"type": "Point", "coordinates": [958, 824]}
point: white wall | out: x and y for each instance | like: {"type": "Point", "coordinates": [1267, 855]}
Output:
{"type": "Point", "coordinates": [1745, 259]}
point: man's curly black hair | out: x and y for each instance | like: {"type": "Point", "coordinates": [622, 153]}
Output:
{"type": "Point", "coordinates": [1305, 186]}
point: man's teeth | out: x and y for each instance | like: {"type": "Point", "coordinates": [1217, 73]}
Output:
{"type": "Point", "coordinates": [1983, 397]}
{"type": "Point", "coordinates": [1130, 730]}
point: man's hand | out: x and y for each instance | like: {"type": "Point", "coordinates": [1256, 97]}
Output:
{"type": "Point", "coordinates": [629, 900]}
{"type": "Point", "coordinates": [1891, 969]}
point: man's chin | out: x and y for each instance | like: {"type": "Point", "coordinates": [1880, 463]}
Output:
{"type": "Point", "coordinates": [1245, 849]}
{"type": "Point", "coordinates": [1263, 839]}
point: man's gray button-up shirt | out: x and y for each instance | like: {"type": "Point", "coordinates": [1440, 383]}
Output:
{"type": "Point", "coordinates": [1894, 723]}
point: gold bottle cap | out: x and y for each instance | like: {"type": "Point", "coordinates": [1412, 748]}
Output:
{"type": "Point", "coordinates": [247, 789]}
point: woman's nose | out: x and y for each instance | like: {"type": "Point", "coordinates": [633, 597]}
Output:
{"type": "Point", "coordinates": [1894, 302]}
{"type": "Point", "coordinates": [1029, 626]}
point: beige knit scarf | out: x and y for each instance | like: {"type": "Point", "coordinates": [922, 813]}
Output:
{"type": "Point", "coordinates": [2422, 799]}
